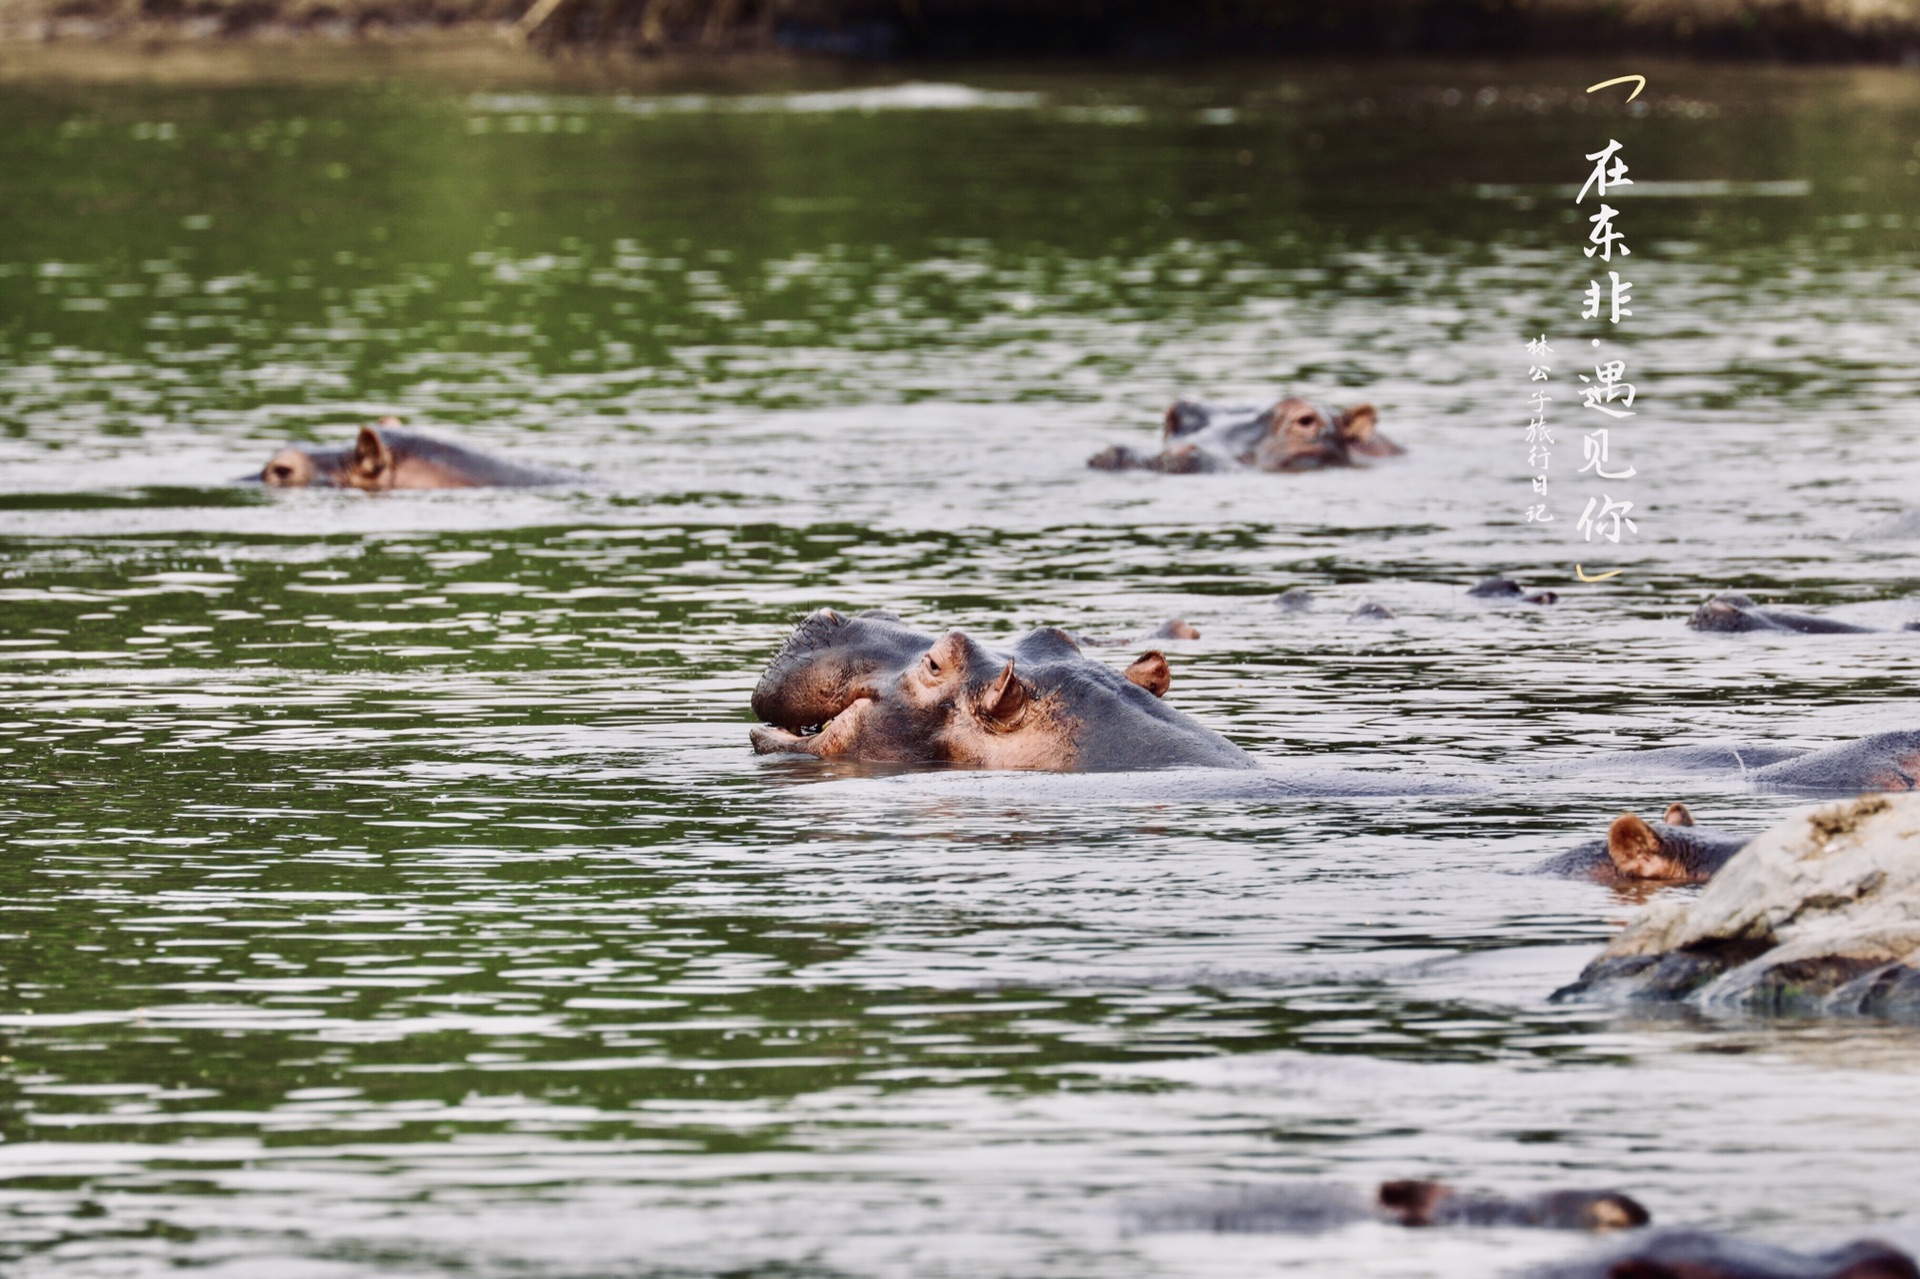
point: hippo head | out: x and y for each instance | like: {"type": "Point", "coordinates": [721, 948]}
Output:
{"type": "Point", "coordinates": [868, 687]}
{"type": "Point", "coordinates": [368, 464]}
{"type": "Point", "coordinates": [1674, 850]}
{"type": "Point", "coordinates": [1301, 436]}
{"type": "Point", "coordinates": [1728, 611]}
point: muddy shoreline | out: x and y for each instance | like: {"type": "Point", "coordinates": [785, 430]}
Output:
{"type": "Point", "coordinates": [706, 31]}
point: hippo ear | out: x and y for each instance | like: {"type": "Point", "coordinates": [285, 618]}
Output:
{"type": "Point", "coordinates": [1357, 423]}
{"type": "Point", "coordinates": [1679, 815]}
{"type": "Point", "coordinates": [1149, 671]}
{"type": "Point", "coordinates": [371, 456]}
{"type": "Point", "coordinates": [1412, 1203]}
{"type": "Point", "coordinates": [1005, 699]}
{"type": "Point", "coordinates": [1184, 417]}
{"type": "Point", "coordinates": [1635, 849]}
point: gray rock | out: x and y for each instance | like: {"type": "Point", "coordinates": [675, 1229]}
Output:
{"type": "Point", "coordinates": [1819, 914]}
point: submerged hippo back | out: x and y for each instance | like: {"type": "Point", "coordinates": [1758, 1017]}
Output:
{"type": "Point", "coordinates": [421, 462]}
{"type": "Point", "coordinates": [1877, 762]}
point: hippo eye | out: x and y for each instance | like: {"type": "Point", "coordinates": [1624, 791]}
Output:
{"type": "Point", "coordinates": [933, 667]}
{"type": "Point", "coordinates": [280, 472]}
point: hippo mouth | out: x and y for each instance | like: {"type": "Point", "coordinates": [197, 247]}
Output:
{"type": "Point", "coordinates": [831, 736]}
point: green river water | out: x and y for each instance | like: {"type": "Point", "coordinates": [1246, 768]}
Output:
{"type": "Point", "coordinates": [388, 887]}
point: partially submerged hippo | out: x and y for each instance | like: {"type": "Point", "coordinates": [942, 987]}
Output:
{"type": "Point", "coordinates": [1733, 612]}
{"type": "Point", "coordinates": [1295, 599]}
{"type": "Point", "coordinates": [1310, 1207]}
{"type": "Point", "coordinates": [1293, 435]}
{"type": "Point", "coordinates": [1698, 1254]}
{"type": "Point", "coordinates": [1298, 599]}
{"type": "Point", "coordinates": [1505, 588]}
{"type": "Point", "coordinates": [1674, 850]}
{"type": "Point", "coordinates": [1877, 762]}
{"type": "Point", "coordinates": [1819, 914]}
{"type": "Point", "coordinates": [868, 687]}
{"type": "Point", "coordinates": [384, 458]}
{"type": "Point", "coordinates": [1174, 628]}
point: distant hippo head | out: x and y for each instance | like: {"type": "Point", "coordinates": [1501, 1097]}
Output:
{"type": "Point", "coordinates": [869, 688]}
{"type": "Point", "coordinates": [1292, 435]}
{"type": "Point", "coordinates": [383, 457]}
{"type": "Point", "coordinates": [1302, 436]}
{"type": "Point", "coordinates": [366, 464]}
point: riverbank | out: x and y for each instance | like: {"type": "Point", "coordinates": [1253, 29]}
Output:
{"type": "Point", "coordinates": [881, 30]}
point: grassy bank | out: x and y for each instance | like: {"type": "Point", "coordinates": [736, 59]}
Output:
{"type": "Point", "coordinates": [1787, 30]}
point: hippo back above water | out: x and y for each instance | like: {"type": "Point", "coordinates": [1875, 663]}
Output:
{"type": "Point", "coordinates": [1292, 435]}
{"type": "Point", "coordinates": [382, 457]}
{"type": "Point", "coordinates": [868, 687]}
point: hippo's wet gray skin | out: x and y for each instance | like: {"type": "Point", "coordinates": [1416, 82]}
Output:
{"type": "Point", "coordinates": [384, 458]}
{"type": "Point", "coordinates": [1731, 612]}
{"type": "Point", "coordinates": [1697, 1254]}
{"type": "Point", "coordinates": [1293, 435]}
{"type": "Point", "coordinates": [1674, 850]}
{"type": "Point", "coordinates": [1505, 588]}
{"type": "Point", "coordinates": [1876, 762]}
{"type": "Point", "coordinates": [868, 687]}
{"type": "Point", "coordinates": [1295, 599]}
{"type": "Point", "coordinates": [1311, 1207]}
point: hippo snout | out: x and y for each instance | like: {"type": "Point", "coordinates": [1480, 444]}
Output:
{"type": "Point", "coordinates": [777, 698]}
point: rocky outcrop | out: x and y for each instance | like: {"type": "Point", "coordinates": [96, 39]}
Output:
{"type": "Point", "coordinates": [1819, 914]}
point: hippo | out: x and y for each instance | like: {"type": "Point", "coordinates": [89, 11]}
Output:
{"type": "Point", "coordinates": [1293, 435]}
{"type": "Point", "coordinates": [1174, 628]}
{"type": "Point", "coordinates": [1505, 588]}
{"type": "Point", "coordinates": [1372, 611]}
{"type": "Point", "coordinates": [1877, 762]}
{"type": "Point", "coordinates": [1310, 1207]}
{"type": "Point", "coordinates": [1816, 915]}
{"type": "Point", "coordinates": [1674, 851]}
{"type": "Point", "coordinates": [1699, 1254]}
{"type": "Point", "coordinates": [1733, 612]}
{"type": "Point", "coordinates": [1295, 599]}
{"type": "Point", "coordinates": [868, 687]}
{"type": "Point", "coordinates": [384, 458]}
